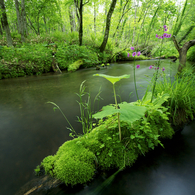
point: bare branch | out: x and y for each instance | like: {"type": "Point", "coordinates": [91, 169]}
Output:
{"type": "Point", "coordinates": [176, 43]}
{"type": "Point", "coordinates": [85, 2]}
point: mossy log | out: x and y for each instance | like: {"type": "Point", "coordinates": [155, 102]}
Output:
{"type": "Point", "coordinates": [74, 66]}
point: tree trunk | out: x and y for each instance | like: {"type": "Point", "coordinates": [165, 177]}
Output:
{"type": "Point", "coordinates": [105, 11]}
{"type": "Point", "coordinates": [72, 19]}
{"type": "Point", "coordinates": [134, 23]}
{"type": "Point", "coordinates": [5, 24]}
{"type": "Point", "coordinates": [18, 16]}
{"type": "Point", "coordinates": [1, 30]}
{"type": "Point", "coordinates": [81, 23]}
{"type": "Point", "coordinates": [94, 10]}
{"type": "Point", "coordinates": [123, 27]}
{"type": "Point", "coordinates": [108, 20]}
{"type": "Point", "coordinates": [23, 19]}
{"type": "Point", "coordinates": [77, 15]}
{"type": "Point", "coordinates": [79, 7]}
{"type": "Point", "coordinates": [145, 13]}
{"type": "Point", "coordinates": [124, 11]}
{"type": "Point", "coordinates": [182, 52]}
{"type": "Point", "coordinates": [45, 23]}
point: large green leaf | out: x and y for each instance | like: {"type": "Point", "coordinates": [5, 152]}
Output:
{"type": "Point", "coordinates": [113, 79]}
{"type": "Point", "coordinates": [106, 111]}
{"type": "Point", "coordinates": [128, 112]}
{"type": "Point", "coordinates": [161, 99]}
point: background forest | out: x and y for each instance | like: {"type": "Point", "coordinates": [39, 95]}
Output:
{"type": "Point", "coordinates": [37, 35]}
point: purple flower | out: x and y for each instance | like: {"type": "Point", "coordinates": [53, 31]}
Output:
{"type": "Point", "coordinates": [156, 35]}
{"type": "Point", "coordinates": [132, 48]}
{"type": "Point", "coordinates": [164, 26]}
{"type": "Point", "coordinates": [157, 67]}
{"type": "Point", "coordinates": [128, 55]}
{"type": "Point", "coordinates": [170, 35]}
{"type": "Point", "coordinates": [165, 29]}
{"type": "Point", "coordinates": [150, 67]}
{"type": "Point", "coordinates": [138, 53]}
{"type": "Point", "coordinates": [138, 66]}
{"type": "Point", "coordinates": [165, 34]}
{"type": "Point", "coordinates": [163, 69]}
{"type": "Point", "coordinates": [134, 54]}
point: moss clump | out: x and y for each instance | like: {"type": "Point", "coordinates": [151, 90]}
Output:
{"type": "Point", "coordinates": [75, 65]}
{"type": "Point", "coordinates": [72, 164]}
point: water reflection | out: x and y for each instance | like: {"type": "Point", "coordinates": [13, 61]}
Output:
{"type": "Point", "coordinates": [29, 128]}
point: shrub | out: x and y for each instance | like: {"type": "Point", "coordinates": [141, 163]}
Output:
{"type": "Point", "coordinates": [182, 96]}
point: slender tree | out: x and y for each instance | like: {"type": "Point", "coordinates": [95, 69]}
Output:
{"type": "Point", "coordinates": [79, 7]}
{"type": "Point", "coordinates": [1, 30]}
{"type": "Point", "coordinates": [107, 30]}
{"type": "Point", "coordinates": [125, 9]}
{"type": "Point", "coordinates": [5, 24]}
{"type": "Point", "coordinates": [72, 18]}
{"type": "Point", "coordinates": [21, 18]}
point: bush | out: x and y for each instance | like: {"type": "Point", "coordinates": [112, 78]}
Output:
{"type": "Point", "coordinates": [181, 103]}
{"type": "Point", "coordinates": [168, 49]}
{"type": "Point", "coordinates": [66, 55]}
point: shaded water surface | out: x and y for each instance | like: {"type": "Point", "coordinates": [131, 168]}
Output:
{"type": "Point", "coordinates": [30, 130]}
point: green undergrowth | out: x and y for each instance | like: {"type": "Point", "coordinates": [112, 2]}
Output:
{"type": "Point", "coordinates": [181, 104]}
{"type": "Point", "coordinates": [123, 56]}
{"type": "Point", "coordinates": [77, 160]}
{"type": "Point", "coordinates": [34, 57]}
{"type": "Point", "coordinates": [168, 49]}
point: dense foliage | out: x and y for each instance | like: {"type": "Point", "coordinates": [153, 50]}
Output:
{"type": "Point", "coordinates": [134, 23]}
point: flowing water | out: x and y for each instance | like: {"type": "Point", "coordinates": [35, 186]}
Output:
{"type": "Point", "coordinates": [30, 130]}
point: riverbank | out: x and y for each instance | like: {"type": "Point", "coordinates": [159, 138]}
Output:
{"type": "Point", "coordinates": [55, 57]}
{"type": "Point", "coordinates": [55, 54]}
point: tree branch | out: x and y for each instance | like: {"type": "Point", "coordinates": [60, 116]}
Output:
{"type": "Point", "coordinates": [85, 3]}
{"type": "Point", "coordinates": [176, 43]}
{"type": "Point", "coordinates": [187, 33]}
{"type": "Point", "coordinates": [189, 44]}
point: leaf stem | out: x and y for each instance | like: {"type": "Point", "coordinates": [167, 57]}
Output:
{"type": "Point", "coordinates": [135, 81]}
{"type": "Point", "coordinates": [119, 125]}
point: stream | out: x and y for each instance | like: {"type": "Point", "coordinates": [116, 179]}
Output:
{"type": "Point", "coordinates": [30, 130]}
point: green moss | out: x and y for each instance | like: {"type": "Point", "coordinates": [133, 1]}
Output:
{"type": "Point", "coordinates": [48, 164]}
{"type": "Point", "coordinates": [75, 65]}
{"type": "Point", "coordinates": [72, 164]}
{"type": "Point", "coordinates": [76, 160]}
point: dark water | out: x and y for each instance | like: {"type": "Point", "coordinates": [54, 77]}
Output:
{"type": "Point", "coordinates": [30, 130]}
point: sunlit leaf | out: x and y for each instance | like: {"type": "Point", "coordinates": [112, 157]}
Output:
{"type": "Point", "coordinates": [106, 111]}
{"type": "Point", "coordinates": [128, 112]}
{"type": "Point", "coordinates": [113, 79]}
